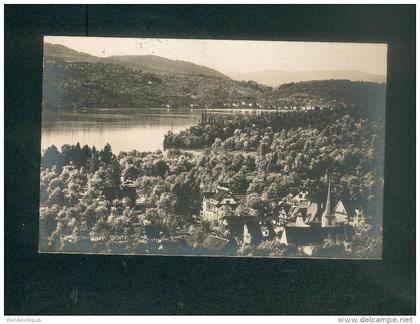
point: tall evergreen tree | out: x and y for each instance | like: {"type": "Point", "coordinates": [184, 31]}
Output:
{"type": "Point", "coordinates": [106, 154]}
{"type": "Point", "coordinates": [52, 157]}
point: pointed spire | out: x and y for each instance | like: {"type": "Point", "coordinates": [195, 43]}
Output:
{"type": "Point", "coordinates": [327, 210]}
{"type": "Point", "coordinates": [328, 219]}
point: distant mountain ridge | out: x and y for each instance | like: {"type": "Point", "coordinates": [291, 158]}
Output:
{"type": "Point", "coordinates": [146, 63]}
{"type": "Point", "coordinates": [157, 64]}
{"type": "Point", "coordinates": [65, 53]}
{"type": "Point", "coordinates": [161, 65]}
{"type": "Point", "coordinates": [275, 78]}
{"type": "Point", "coordinates": [74, 80]}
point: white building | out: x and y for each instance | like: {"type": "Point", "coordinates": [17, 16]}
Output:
{"type": "Point", "coordinates": [216, 204]}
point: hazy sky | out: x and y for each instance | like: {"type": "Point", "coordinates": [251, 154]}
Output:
{"type": "Point", "coordinates": [241, 56]}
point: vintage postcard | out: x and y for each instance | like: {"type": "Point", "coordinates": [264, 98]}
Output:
{"type": "Point", "coordinates": [212, 147]}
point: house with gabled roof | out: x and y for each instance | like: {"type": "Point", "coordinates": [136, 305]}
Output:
{"type": "Point", "coordinates": [311, 213]}
{"type": "Point", "coordinates": [341, 213]}
{"type": "Point", "coordinates": [303, 214]}
{"type": "Point", "coordinates": [215, 205]}
{"type": "Point", "coordinates": [252, 234]}
{"type": "Point", "coordinates": [358, 217]}
{"type": "Point", "coordinates": [214, 243]}
{"type": "Point", "coordinates": [348, 211]}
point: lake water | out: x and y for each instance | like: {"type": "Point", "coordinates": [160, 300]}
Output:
{"type": "Point", "coordinates": [124, 129]}
{"type": "Point", "coordinates": [142, 131]}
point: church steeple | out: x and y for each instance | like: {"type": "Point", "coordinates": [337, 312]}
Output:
{"type": "Point", "coordinates": [328, 219]}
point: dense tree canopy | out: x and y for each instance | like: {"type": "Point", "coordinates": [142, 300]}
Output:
{"type": "Point", "coordinates": [264, 157]}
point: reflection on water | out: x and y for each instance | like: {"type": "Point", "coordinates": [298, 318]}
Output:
{"type": "Point", "coordinates": [143, 131]}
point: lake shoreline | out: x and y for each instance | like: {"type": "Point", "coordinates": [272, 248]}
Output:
{"type": "Point", "coordinates": [141, 129]}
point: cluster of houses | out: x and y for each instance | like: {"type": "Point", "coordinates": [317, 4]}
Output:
{"type": "Point", "coordinates": [297, 219]}
{"type": "Point", "coordinates": [304, 104]}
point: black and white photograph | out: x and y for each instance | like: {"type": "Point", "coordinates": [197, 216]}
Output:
{"type": "Point", "coordinates": [219, 159]}
{"type": "Point", "coordinates": [212, 147]}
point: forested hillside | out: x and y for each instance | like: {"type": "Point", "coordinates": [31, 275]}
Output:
{"type": "Point", "coordinates": [145, 63]}
{"type": "Point", "coordinates": [74, 80]}
{"type": "Point", "coordinates": [350, 92]}
{"type": "Point", "coordinates": [161, 65]}
{"type": "Point", "coordinates": [296, 149]}
{"type": "Point", "coordinates": [262, 157]}
{"type": "Point", "coordinates": [322, 138]}
{"type": "Point", "coordinates": [275, 78]}
{"type": "Point", "coordinates": [70, 85]}
{"type": "Point", "coordinates": [55, 51]}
